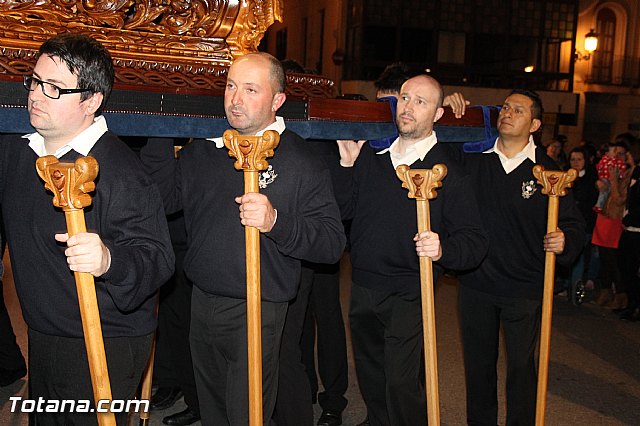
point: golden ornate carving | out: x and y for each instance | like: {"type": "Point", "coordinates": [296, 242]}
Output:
{"type": "Point", "coordinates": [251, 152]}
{"type": "Point", "coordinates": [252, 23]}
{"type": "Point", "coordinates": [304, 85]}
{"type": "Point", "coordinates": [421, 183]}
{"type": "Point", "coordinates": [158, 43]}
{"type": "Point", "coordinates": [70, 183]}
{"type": "Point", "coordinates": [195, 18]}
{"type": "Point", "coordinates": [123, 29]}
{"type": "Point", "coordinates": [554, 182]}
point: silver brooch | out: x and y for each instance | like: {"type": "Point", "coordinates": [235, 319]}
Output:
{"type": "Point", "coordinates": [267, 177]}
{"type": "Point", "coordinates": [528, 189]}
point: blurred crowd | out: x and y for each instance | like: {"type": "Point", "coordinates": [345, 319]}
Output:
{"type": "Point", "coordinates": [606, 191]}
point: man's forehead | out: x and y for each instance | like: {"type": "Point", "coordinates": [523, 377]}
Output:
{"type": "Point", "coordinates": [519, 100]}
{"type": "Point", "coordinates": [422, 89]}
{"type": "Point", "coordinates": [247, 73]}
{"type": "Point", "coordinates": [60, 68]}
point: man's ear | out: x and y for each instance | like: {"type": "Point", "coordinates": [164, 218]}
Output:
{"type": "Point", "coordinates": [439, 113]}
{"type": "Point", "coordinates": [535, 125]}
{"type": "Point", "coordinates": [93, 103]}
{"type": "Point", "coordinates": [278, 100]}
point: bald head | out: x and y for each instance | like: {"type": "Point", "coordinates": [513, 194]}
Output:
{"type": "Point", "coordinates": [254, 92]}
{"type": "Point", "coordinates": [419, 106]}
{"type": "Point", "coordinates": [271, 65]}
{"type": "Point", "coordinates": [430, 84]}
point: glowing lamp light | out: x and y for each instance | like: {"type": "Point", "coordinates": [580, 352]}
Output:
{"type": "Point", "coordinates": [591, 41]}
{"type": "Point", "coordinates": [590, 46]}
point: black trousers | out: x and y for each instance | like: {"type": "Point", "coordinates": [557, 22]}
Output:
{"type": "Point", "coordinates": [629, 260]}
{"type": "Point", "coordinates": [481, 315]}
{"type": "Point", "coordinates": [219, 350]}
{"type": "Point", "coordinates": [386, 333]}
{"type": "Point", "coordinates": [610, 269]}
{"type": "Point", "coordinates": [59, 370]}
{"type": "Point", "coordinates": [324, 320]}
{"type": "Point", "coordinates": [293, 404]}
{"type": "Point", "coordinates": [172, 365]}
{"type": "Point", "coordinates": [10, 355]}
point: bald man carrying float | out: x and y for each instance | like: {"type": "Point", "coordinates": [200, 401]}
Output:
{"type": "Point", "coordinates": [385, 312]}
{"type": "Point", "coordinates": [295, 212]}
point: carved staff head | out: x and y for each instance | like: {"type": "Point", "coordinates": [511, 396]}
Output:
{"type": "Point", "coordinates": [554, 182]}
{"type": "Point", "coordinates": [422, 183]}
{"type": "Point", "coordinates": [251, 152]}
{"type": "Point", "coordinates": [69, 182]}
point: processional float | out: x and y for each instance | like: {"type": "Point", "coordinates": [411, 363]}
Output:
{"type": "Point", "coordinates": [171, 59]}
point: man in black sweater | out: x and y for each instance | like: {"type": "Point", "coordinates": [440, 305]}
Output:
{"type": "Point", "coordinates": [127, 249]}
{"type": "Point", "coordinates": [295, 212]}
{"type": "Point", "coordinates": [507, 286]}
{"type": "Point", "coordinates": [385, 312]}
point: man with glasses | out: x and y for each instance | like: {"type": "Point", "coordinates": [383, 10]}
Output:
{"type": "Point", "coordinates": [505, 291]}
{"type": "Point", "coordinates": [127, 249]}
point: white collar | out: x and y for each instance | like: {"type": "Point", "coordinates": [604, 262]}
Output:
{"type": "Point", "coordinates": [510, 164]}
{"type": "Point", "coordinates": [415, 151]}
{"type": "Point", "coordinates": [278, 125]}
{"type": "Point", "coordinates": [82, 143]}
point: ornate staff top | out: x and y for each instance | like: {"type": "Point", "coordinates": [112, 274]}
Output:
{"type": "Point", "coordinates": [69, 182]}
{"type": "Point", "coordinates": [251, 152]}
{"type": "Point", "coordinates": [422, 183]}
{"type": "Point", "coordinates": [554, 182]}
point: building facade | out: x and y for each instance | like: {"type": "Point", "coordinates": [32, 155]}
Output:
{"type": "Point", "coordinates": [482, 48]}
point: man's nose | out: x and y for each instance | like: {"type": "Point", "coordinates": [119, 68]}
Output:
{"type": "Point", "coordinates": [407, 106]}
{"type": "Point", "coordinates": [37, 93]}
{"type": "Point", "coordinates": [236, 99]}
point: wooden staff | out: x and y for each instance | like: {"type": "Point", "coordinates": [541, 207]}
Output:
{"type": "Point", "coordinates": [554, 184]}
{"type": "Point", "coordinates": [70, 184]}
{"type": "Point", "coordinates": [422, 185]}
{"type": "Point", "coordinates": [147, 380]}
{"type": "Point", "coordinates": [250, 153]}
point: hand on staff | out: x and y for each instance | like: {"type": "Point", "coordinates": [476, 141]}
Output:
{"type": "Point", "coordinates": [256, 210]}
{"type": "Point", "coordinates": [554, 242]}
{"type": "Point", "coordinates": [86, 253]}
{"type": "Point", "coordinates": [349, 151]}
{"type": "Point", "coordinates": [428, 244]}
{"type": "Point", "coordinates": [457, 102]}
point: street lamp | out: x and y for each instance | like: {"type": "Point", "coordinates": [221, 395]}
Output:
{"type": "Point", "coordinates": [590, 46]}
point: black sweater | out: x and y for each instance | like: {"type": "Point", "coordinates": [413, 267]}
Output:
{"type": "Point", "coordinates": [383, 253]}
{"type": "Point", "coordinates": [516, 225]}
{"type": "Point", "coordinates": [126, 212]}
{"type": "Point", "coordinates": [204, 183]}
{"type": "Point", "coordinates": [586, 194]}
{"type": "Point", "coordinates": [633, 201]}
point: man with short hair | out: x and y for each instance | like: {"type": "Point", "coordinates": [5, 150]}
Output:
{"type": "Point", "coordinates": [295, 212]}
{"type": "Point", "coordinates": [127, 249]}
{"type": "Point", "coordinates": [385, 312]}
{"type": "Point", "coordinates": [506, 289]}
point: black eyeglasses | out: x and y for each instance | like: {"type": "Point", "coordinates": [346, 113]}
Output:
{"type": "Point", "coordinates": [50, 90]}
